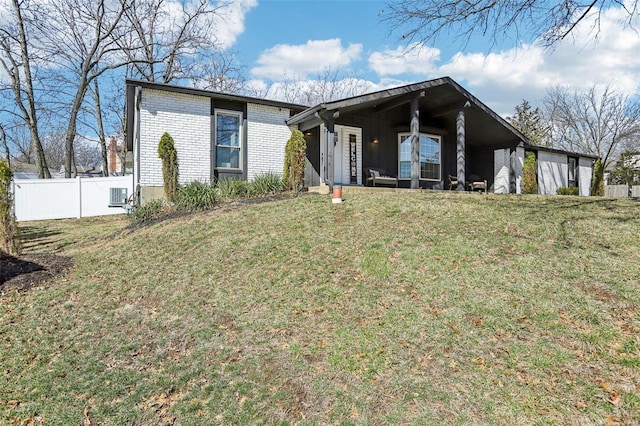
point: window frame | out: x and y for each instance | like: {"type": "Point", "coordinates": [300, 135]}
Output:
{"type": "Point", "coordinates": [240, 147]}
{"type": "Point", "coordinates": [574, 182]}
{"type": "Point", "coordinates": [428, 135]}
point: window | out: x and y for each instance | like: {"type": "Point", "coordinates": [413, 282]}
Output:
{"type": "Point", "coordinates": [429, 156]}
{"type": "Point", "coordinates": [228, 139]}
{"type": "Point", "coordinates": [572, 163]}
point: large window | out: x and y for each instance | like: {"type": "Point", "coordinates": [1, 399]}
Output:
{"type": "Point", "coordinates": [429, 156]}
{"type": "Point", "coordinates": [228, 139]}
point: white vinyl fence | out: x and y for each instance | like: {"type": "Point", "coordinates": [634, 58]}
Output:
{"type": "Point", "coordinates": [39, 199]}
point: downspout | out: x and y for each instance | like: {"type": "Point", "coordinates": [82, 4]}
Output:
{"type": "Point", "coordinates": [136, 144]}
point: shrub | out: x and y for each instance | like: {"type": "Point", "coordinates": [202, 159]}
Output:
{"type": "Point", "coordinates": [571, 190]}
{"type": "Point", "coordinates": [266, 184]}
{"type": "Point", "coordinates": [529, 179]}
{"type": "Point", "coordinates": [9, 235]}
{"type": "Point", "coordinates": [167, 152]}
{"type": "Point", "coordinates": [151, 210]}
{"type": "Point", "coordinates": [294, 161]}
{"type": "Point", "coordinates": [232, 188]}
{"type": "Point", "coordinates": [196, 196]}
{"type": "Point", "coordinates": [597, 183]}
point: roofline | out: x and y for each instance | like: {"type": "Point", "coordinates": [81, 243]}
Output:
{"type": "Point", "coordinates": [396, 91]}
{"type": "Point", "coordinates": [532, 147]}
{"type": "Point", "coordinates": [212, 94]}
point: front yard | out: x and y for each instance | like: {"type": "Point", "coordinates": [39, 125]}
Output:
{"type": "Point", "coordinates": [391, 308]}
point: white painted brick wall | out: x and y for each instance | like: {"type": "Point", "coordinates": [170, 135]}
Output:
{"type": "Point", "coordinates": [187, 119]}
{"type": "Point", "coordinates": [267, 135]}
{"type": "Point", "coordinates": [585, 170]}
{"type": "Point", "coordinates": [553, 172]}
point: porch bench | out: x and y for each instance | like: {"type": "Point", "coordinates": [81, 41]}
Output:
{"type": "Point", "coordinates": [380, 177]}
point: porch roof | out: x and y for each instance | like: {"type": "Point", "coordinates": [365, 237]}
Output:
{"type": "Point", "coordinates": [443, 98]}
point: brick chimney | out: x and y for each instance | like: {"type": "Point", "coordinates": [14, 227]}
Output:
{"type": "Point", "coordinates": [112, 155]}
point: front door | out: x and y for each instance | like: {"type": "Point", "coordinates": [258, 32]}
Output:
{"type": "Point", "coordinates": [347, 165]}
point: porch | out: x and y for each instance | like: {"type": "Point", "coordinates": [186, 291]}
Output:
{"type": "Point", "coordinates": [421, 134]}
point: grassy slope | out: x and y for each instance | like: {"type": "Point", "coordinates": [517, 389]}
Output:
{"type": "Point", "coordinates": [390, 308]}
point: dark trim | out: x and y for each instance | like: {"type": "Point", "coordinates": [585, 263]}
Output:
{"type": "Point", "coordinates": [529, 147]}
{"type": "Point", "coordinates": [130, 109]}
{"type": "Point", "coordinates": [212, 94]}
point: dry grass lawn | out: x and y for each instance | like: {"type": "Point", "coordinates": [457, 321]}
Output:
{"type": "Point", "coordinates": [426, 309]}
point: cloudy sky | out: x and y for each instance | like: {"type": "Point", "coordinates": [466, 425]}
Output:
{"type": "Point", "coordinates": [278, 39]}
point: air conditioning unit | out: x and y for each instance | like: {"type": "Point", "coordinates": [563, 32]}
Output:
{"type": "Point", "coordinates": [117, 197]}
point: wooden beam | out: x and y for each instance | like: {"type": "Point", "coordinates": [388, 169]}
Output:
{"type": "Point", "coordinates": [415, 142]}
{"type": "Point", "coordinates": [460, 149]}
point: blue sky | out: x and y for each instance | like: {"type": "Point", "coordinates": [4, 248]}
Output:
{"type": "Point", "coordinates": [278, 38]}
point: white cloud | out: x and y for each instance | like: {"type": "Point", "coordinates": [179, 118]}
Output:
{"type": "Point", "coordinates": [503, 78]}
{"type": "Point", "coordinates": [229, 24]}
{"type": "Point", "coordinates": [298, 61]}
{"type": "Point", "coordinates": [415, 59]}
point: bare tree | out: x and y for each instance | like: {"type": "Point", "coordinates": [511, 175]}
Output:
{"type": "Point", "coordinates": [597, 121]}
{"type": "Point", "coordinates": [19, 140]}
{"type": "Point", "coordinates": [327, 85]}
{"type": "Point", "coordinates": [84, 50]}
{"type": "Point", "coordinates": [102, 138]}
{"type": "Point", "coordinates": [549, 22]}
{"type": "Point", "coordinates": [5, 145]}
{"type": "Point", "coordinates": [163, 45]}
{"type": "Point", "coordinates": [16, 60]}
{"type": "Point", "coordinates": [221, 73]}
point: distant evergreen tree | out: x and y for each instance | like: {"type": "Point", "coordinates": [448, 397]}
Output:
{"type": "Point", "coordinates": [531, 124]}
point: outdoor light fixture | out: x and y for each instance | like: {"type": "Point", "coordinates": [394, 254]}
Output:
{"type": "Point", "coordinates": [374, 140]}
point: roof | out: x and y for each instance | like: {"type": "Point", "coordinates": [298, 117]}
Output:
{"type": "Point", "coordinates": [559, 151]}
{"type": "Point", "coordinates": [212, 94]}
{"type": "Point", "coordinates": [442, 96]}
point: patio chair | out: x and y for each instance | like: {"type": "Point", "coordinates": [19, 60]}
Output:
{"type": "Point", "coordinates": [476, 183]}
{"type": "Point", "coordinates": [380, 177]}
{"type": "Point", "coordinates": [453, 182]}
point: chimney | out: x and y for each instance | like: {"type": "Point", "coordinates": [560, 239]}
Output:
{"type": "Point", "coordinates": [112, 156]}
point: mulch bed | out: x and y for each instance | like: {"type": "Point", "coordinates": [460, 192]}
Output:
{"type": "Point", "coordinates": [24, 272]}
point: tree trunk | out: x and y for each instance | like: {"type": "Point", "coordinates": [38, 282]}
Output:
{"type": "Point", "coordinates": [29, 116]}
{"type": "Point", "coordinates": [3, 137]}
{"type": "Point", "coordinates": [102, 137]}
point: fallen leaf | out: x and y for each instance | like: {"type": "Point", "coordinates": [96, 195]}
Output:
{"type": "Point", "coordinates": [611, 421]}
{"type": "Point", "coordinates": [615, 398]}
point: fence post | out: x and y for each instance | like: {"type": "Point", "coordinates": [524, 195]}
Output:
{"type": "Point", "coordinates": [79, 187]}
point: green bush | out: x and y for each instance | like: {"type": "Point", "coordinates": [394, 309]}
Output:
{"type": "Point", "coordinates": [196, 196]}
{"type": "Point", "coordinates": [597, 182]}
{"type": "Point", "coordinates": [167, 152]}
{"type": "Point", "coordinates": [571, 190]}
{"type": "Point", "coordinates": [232, 188]}
{"type": "Point", "coordinates": [529, 178]}
{"type": "Point", "coordinates": [266, 184]}
{"type": "Point", "coordinates": [9, 235]}
{"type": "Point", "coordinates": [153, 209]}
{"type": "Point", "coordinates": [294, 161]}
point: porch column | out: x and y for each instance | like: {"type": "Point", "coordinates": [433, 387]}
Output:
{"type": "Point", "coordinates": [331, 148]}
{"type": "Point", "coordinates": [415, 142]}
{"type": "Point", "coordinates": [460, 148]}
